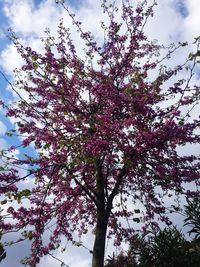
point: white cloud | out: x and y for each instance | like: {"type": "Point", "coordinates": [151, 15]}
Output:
{"type": "Point", "coordinates": [10, 59]}
{"type": "Point", "coordinates": [3, 144]}
{"type": "Point", "coordinates": [30, 22]}
{"type": "Point", "coordinates": [166, 25]}
{"type": "Point", "coordinates": [191, 26]}
{"type": "Point", "coordinates": [2, 34]}
{"type": "Point", "coordinates": [25, 19]}
{"type": "Point", "coordinates": [73, 257]}
{"type": "Point", "coordinates": [3, 128]}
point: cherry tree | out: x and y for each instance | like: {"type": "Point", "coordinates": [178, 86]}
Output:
{"type": "Point", "coordinates": [106, 127]}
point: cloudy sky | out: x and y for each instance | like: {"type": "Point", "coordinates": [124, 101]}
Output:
{"type": "Point", "coordinates": [174, 21]}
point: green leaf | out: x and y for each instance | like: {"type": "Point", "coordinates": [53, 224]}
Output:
{"type": "Point", "coordinates": [19, 124]}
{"type": "Point", "coordinates": [46, 146]}
{"type": "Point", "coordinates": [28, 234]}
{"type": "Point", "coordinates": [35, 65]}
{"type": "Point", "coordinates": [198, 53]}
{"type": "Point", "coordinates": [181, 122]}
{"type": "Point", "coordinates": [2, 252]}
{"type": "Point", "coordinates": [9, 134]}
{"type": "Point", "coordinates": [3, 202]}
{"type": "Point", "coordinates": [2, 168]}
{"type": "Point", "coordinates": [184, 44]}
{"type": "Point", "coordinates": [34, 58]}
{"type": "Point", "coordinates": [24, 193]}
{"type": "Point", "coordinates": [137, 211]}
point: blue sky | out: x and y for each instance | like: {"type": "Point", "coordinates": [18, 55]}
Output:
{"type": "Point", "coordinates": [182, 8]}
{"type": "Point", "coordinates": [174, 20]}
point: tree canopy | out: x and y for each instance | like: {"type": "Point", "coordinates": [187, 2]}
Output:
{"type": "Point", "coordinates": [106, 132]}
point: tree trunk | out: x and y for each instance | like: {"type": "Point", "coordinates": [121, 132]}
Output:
{"type": "Point", "coordinates": [100, 240]}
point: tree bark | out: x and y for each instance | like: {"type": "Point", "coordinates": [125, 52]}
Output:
{"type": "Point", "coordinates": [100, 240]}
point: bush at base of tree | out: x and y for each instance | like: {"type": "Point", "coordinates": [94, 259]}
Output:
{"type": "Point", "coordinates": [168, 248]}
{"type": "Point", "coordinates": [100, 131]}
